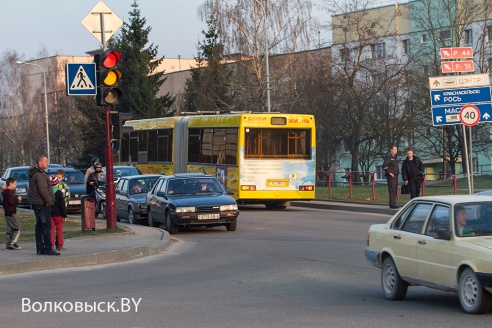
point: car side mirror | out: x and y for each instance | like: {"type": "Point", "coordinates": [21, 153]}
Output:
{"type": "Point", "coordinates": [161, 194]}
{"type": "Point", "coordinates": [229, 191]}
{"type": "Point", "coordinates": [123, 192]}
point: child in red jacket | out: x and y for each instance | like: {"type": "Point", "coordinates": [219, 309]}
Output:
{"type": "Point", "coordinates": [10, 208]}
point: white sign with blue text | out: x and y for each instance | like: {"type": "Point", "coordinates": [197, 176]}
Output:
{"type": "Point", "coordinates": [460, 96]}
{"type": "Point", "coordinates": [450, 115]}
{"type": "Point", "coordinates": [81, 79]}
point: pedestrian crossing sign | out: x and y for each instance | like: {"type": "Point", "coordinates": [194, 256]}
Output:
{"type": "Point", "coordinates": [81, 79]}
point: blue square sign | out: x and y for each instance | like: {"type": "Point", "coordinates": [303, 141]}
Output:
{"type": "Point", "coordinates": [81, 79]}
{"type": "Point", "coordinates": [448, 97]}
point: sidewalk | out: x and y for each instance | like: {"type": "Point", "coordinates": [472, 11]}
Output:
{"type": "Point", "coordinates": [346, 206]}
{"type": "Point", "coordinates": [137, 242]}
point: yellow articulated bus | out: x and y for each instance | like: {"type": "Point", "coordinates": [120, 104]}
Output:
{"type": "Point", "coordinates": [264, 158]}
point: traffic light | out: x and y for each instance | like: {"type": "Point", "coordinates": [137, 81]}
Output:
{"type": "Point", "coordinates": [108, 76]}
{"type": "Point", "coordinates": [118, 121]}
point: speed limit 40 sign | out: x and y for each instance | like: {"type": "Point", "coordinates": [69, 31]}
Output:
{"type": "Point", "coordinates": [469, 115]}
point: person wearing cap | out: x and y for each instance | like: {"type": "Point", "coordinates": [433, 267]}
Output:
{"type": "Point", "coordinates": [41, 197]}
{"type": "Point", "coordinates": [93, 179]}
{"type": "Point", "coordinates": [91, 169]}
{"type": "Point", "coordinates": [58, 215]}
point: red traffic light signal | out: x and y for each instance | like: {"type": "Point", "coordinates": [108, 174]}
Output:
{"type": "Point", "coordinates": [107, 78]}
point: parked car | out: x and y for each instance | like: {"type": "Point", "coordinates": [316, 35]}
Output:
{"type": "Point", "coordinates": [123, 171]}
{"type": "Point", "coordinates": [131, 192]}
{"type": "Point", "coordinates": [190, 199]}
{"type": "Point", "coordinates": [75, 181]}
{"type": "Point", "coordinates": [441, 242]}
{"type": "Point", "coordinates": [21, 174]}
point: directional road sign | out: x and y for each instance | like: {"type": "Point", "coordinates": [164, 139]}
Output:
{"type": "Point", "coordinates": [457, 66]}
{"type": "Point", "coordinates": [459, 81]}
{"type": "Point", "coordinates": [456, 53]}
{"type": "Point", "coordinates": [81, 79]}
{"type": "Point", "coordinates": [460, 96]}
{"type": "Point", "coordinates": [450, 115]}
{"type": "Point", "coordinates": [469, 115]}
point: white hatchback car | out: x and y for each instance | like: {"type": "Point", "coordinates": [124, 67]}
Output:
{"type": "Point", "coordinates": [441, 242]}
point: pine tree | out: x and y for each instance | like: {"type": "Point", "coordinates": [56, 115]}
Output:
{"type": "Point", "coordinates": [208, 86]}
{"type": "Point", "coordinates": [139, 83]}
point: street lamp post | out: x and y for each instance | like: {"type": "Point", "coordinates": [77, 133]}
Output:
{"type": "Point", "coordinates": [45, 106]}
{"type": "Point", "coordinates": [266, 54]}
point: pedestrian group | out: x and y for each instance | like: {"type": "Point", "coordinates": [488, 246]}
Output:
{"type": "Point", "coordinates": [412, 171]}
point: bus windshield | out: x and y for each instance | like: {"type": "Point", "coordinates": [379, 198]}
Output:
{"type": "Point", "coordinates": [277, 143]}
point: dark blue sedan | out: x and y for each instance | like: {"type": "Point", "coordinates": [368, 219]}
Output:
{"type": "Point", "coordinates": [190, 199]}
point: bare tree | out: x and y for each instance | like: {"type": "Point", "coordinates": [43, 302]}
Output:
{"type": "Point", "coordinates": [288, 28]}
{"type": "Point", "coordinates": [18, 113]}
{"type": "Point", "coordinates": [369, 81]}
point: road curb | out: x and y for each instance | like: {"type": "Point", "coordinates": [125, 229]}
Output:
{"type": "Point", "coordinates": [116, 256]}
{"type": "Point", "coordinates": [355, 207]}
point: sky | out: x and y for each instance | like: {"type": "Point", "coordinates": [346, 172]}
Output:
{"type": "Point", "coordinates": [29, 26]}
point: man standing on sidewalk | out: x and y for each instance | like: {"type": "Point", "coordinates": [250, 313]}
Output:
{"type": "Point", "coordinates": [390, 166]}
{"type": "Point", "coordinates": [41, 197]}
{"type": "Point", "coordinates": [412, 171]}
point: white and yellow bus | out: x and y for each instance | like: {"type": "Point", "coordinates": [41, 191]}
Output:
{"type": "Point", "coordinates": [264, 158]}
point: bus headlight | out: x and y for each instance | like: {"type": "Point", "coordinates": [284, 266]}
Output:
{"type": "Point", "coordinates": [187, 209]}
{"type": "Point", "coordinates": [224, 208]}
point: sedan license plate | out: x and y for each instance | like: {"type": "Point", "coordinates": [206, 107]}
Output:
{"type": "Point", "coordinates": [74, 202]}
{"type": "Point", "coordinates": [208, 216]}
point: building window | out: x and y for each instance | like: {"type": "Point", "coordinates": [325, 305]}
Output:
{"type": "Point", "coordinates": [344, 55]}
{"type": "Point", "coordinates": [378, 50]}
{"type": "Point", "coordinates": [489, 33]}
{"type": "Point", "coordinates": [406, 46]}
{"type": "Point", "coordinates": [423, 38]}
{"type": "Point", "coordinates": [445, 35]}
{"type": "Point", "coordinates": [378, 80]}
{"type": "Point", "coordinates": [468, 37]}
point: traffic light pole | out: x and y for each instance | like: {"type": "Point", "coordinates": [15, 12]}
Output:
{"type": "Point", "coordinates": [110, 188]}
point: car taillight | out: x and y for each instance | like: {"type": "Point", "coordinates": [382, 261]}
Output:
{"type": "Point", "coordinates": [248, 187]}
{"type": "Point", "coordinates": [306, 188]}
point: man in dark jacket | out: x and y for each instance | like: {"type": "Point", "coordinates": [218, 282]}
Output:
{"type": "Point", "coordinates": [412, 171]}
{"type": "Point", "coordinates": [390, 166]}
{"type": "Point", "coordinates": [41, 197]}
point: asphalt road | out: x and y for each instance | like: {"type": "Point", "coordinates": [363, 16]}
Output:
{"type": "Point", "coordinates": [296, 268]}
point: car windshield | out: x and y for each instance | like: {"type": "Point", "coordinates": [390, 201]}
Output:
{"type": "Point", "coordinates": [74, 178]}
{"type": "Point", "coordinates": [473, 219]}
{"type": "Point", "coordinates": [119, 172]}
{"type": "Point", "coordinates": [142, 185]}
{"type": "Point", "coordinates": [20, 175]}
{"type": "Point", "coordinates": [193, 186]}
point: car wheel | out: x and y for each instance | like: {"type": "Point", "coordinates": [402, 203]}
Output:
{"type": "Point", "coordinates": [231, 226]}
{"type": "Point", "coordinates": [170, 227]}
{"type": "Point", "coordinates": [473, 298]}
{"type": "Point", "coordinates": [131, 216]}
{"type": "Point", "coordinates": [394, 288]}
{"type": "Point", "coordinates": [152, 223]}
